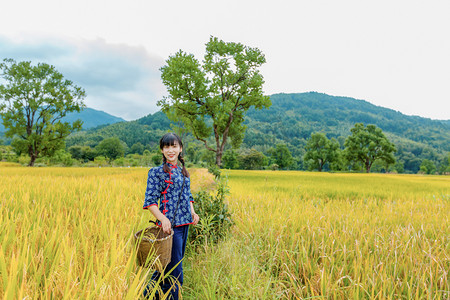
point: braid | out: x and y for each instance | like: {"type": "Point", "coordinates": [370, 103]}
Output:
{"type": "Point", "coordinates": [165, 166]}
{"type": "Point", "coordinates": [184, 171]}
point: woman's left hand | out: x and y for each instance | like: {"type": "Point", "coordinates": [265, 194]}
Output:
{"type": "Point", "coordinates": [196, 218]}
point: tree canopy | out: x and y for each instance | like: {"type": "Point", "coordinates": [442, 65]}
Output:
{"type": "Point", "coordinates": [320, 150]}
{"type": "Point", "coordinates": [281, 156]}
{"type": "Point", "coordinates": [33, 100]}
{"type": "Point", "coordinates": [111, 148]}
{"type": "Point", "coordinates": [290, 120]}
{"type": "Point", "coordinates": [252, 160]}
{"type": "Point", "coordinates": [368, 144]}
{"type": "Point", "coordinates": [211, 98]}
{"type": "Point", "coordinates": [427, 167]}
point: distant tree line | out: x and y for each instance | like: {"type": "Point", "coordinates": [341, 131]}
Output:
{"type": "Point", "coordinates": [367, 149]}
{"type": "Point", "coordinates": [309, 131]}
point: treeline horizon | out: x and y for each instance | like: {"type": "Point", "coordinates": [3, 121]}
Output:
{"type": "Point", "coordinates": [290, 121]}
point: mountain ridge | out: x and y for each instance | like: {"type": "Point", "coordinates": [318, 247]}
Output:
{"type": "Point", "coordinates": [293, 117]}
{"type": "Point", "coordinates": [336, 115]}
{"type": "Point", "coordinates": [91, 118]}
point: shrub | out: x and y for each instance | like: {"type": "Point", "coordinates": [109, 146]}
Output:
{"type": "Point", "coordinates": [157, 159]}
{"type": "Point", "coordinates": [214, 169]}
{"type": "Point", "coordinates": [100, 161]}
{"type": "Point", "coordinates": [119, 162]}
{"type": "Point", "coordinates": [24, 159]}
{"type": "Point", "coordinates": [215, 219]}
{"type": "Point", "coordinates": [61, 157]}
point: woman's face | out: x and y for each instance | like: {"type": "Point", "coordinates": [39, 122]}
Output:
{"type": "Point", "coordinates": [171, 152]}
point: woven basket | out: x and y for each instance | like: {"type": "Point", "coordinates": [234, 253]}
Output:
{"type": "Point", "coordinates": [161, 247]}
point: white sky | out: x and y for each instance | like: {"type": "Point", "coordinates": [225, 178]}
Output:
{"type": "Point", "coordinates": [394, 54]}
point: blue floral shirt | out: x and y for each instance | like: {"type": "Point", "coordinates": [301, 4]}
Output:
{"type": "Point", "coordinates": [163, 189]}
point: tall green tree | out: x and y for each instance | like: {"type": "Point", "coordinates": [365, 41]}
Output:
{"type": "Point", "coordinates": [281, 155]}
{"type": "Point", "coordinates": [111, 148]}
{"type": "Point", "coordinates": [211, 98]}
{"type": "Point", "coordinates": [320, 150]}
{"type": "Point", "coordinates": [444, 167]}
{"type": "Point", "coordinates": [33, 100]}
{"type": "Point", "coordinates": [368, 144]}
{"type": "Point", "coordinates": [76, 151]}
{"type": "Point", "coordinates": [137, 148]}
{"type": "Point", "coordinates": [427, 167]}
{"type": "Point", "coordinates": [252, 160]}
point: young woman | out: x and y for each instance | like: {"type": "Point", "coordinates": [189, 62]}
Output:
{"type": "Point", "coordinates": [165, 183]}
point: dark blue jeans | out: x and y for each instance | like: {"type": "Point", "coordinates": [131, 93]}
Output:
{"type": "Point", "coordinates": [180, 235]}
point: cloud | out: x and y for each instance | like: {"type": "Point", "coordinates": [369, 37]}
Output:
{"type": "Point", "coordinates": [120, 79]}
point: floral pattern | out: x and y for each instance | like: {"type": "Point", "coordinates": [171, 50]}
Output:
{"type": "Point", "coordinates": [163, 189]}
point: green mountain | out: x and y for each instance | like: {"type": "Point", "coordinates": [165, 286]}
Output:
{"type": "Point", "coordinates": [296, 116]}
{"type": "Point", "coordinates": [293, 117]}
{"type": "Point", "coordinates": [90, 117]}
{"type": "Point", "coordinates": [93, 118]}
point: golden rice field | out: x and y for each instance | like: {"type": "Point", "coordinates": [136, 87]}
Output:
{"type": "Point", "coordinates": [66, 233]}
{"type": "Point", "coordinates": [301, 235]}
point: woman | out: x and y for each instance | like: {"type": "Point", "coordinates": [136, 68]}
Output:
{"type": "Point", "coordinates": [171, 185]}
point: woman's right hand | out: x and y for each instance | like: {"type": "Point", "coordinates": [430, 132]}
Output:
{"type": "Point", "coordinates": [166, 226]}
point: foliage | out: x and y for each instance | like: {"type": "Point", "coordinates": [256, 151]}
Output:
{"type": "Point", "coordinates": [444, 167]}
{"type": "Point", "coordinates": [24, 159]}
{"type": "Point", "coordinates": [281, 156]}
{"type": "Point", "coordinates": [157, 159]}
{"type": "Point", "coordinates": [306, 113]}
{"type": "Point", "coordinates": [137, 148]}
{"type": "Point", "coordinates": [214, 170]}
{"type": "Point", "coordinates": [207, 157]}
{"type": "Point", "coordinates": [339, 163]}
{"type": "Point", "coordinates": [129, 132]}
{"type": "Point", "coordinates": [7, 153]}
{"type": "Point", "coordinates": [192, 153]}
{"type": "Point", "coordinates": [101, 161]}
{"type": "Point", "coordinates": [291, 120]}
{"type": "Point", "coordinates": [61, 157]}
{"type": "Point", "coordinates": [230, 159]}
{"type": "Point", "coordinates": [212, 97]}
{"type": "Point", "coordinates": [215, 218]}
{"type": "Point", "coordinates": [34, 99]}
{"type": "Point", "coordinates": [252, 160]}
{"type": "Point", "coordinates": [76, 152]}
{"type": "Point", "coordinates": [88, 154]}
{"type": "Point", "coordinates": [399, 166]}
{"type": "Point", "coordinates": [368, 144]}
{"type": "Point", "coordinates": [83, 153]}
{"type": "Point", "coordinates": [320, 150]}
{"type": "Point", "coordinates": [111, 148]}
{"type": "Point", "coordinates": [427, 167]}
